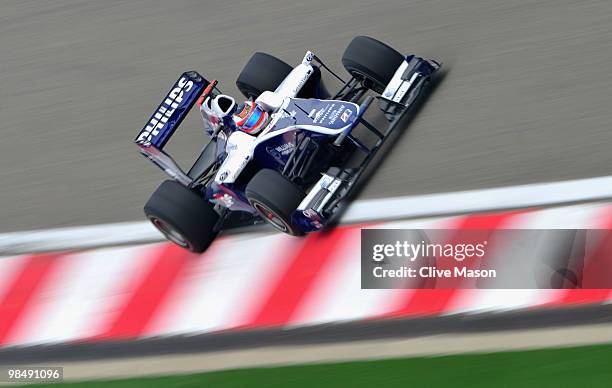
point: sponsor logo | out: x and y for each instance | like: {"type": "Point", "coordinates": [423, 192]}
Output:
{"type": "Point", "coordinates": [321, 115]}
{"type": "Point", "coordinates": [242, 165]}
{"type": "Point", "coordinates": [308, 57]}
{"type": "Point", "coordinates": [165, 111]}
{"type": "Point", "coordinates": [232, 146]}
{"type": "Point", "coordinates": [285, 149]}
{"type": "Point", "coordinates": [310, 213]}
{"type": "Point", "coordinates": [325, 181]}
{"type": "Point", "coordinates": [280, 151]}
{"type": "Point", "coordinates": [223, 175]}
{"type": "Point", "coordinates": [224, 199]}
{"type": "Point", "coordinates": [334, 115]}
{"type": "Point", "coordinates": [345, 115]}
{"type": "Point", "coordinates": [318, 115]}
{"type": "Point", "coordinates": [301, 82]}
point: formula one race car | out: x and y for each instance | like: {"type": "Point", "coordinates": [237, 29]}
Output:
{"type": "Point", "coordinates": [282, 156]}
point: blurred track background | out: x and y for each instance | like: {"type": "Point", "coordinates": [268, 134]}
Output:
{"type": "Point", "coordinates": [526, 97]}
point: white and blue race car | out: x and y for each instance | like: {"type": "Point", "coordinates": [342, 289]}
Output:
{"type": "Point", "coordinates": [288, 153]}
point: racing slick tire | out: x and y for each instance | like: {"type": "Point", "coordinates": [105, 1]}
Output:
{"type": "Point", "coordinates": [371, 61]}
{"type": "Point", "coordinates": [262, 72]}
{"type": "Point", "coordinates": [182, 216]}
{"type": "Point", "coordinates": [275, 198]}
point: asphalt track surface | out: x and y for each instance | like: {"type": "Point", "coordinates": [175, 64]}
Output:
{"type": "Point", "coordinates": [526, 96]}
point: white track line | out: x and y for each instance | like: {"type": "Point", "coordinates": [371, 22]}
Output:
{"type": "Point", "coordinates": [471, 201]}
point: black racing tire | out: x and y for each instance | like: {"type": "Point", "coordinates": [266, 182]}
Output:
{"type": "Point", "coordinates": [261, 73]}
{"type": "Point", "coordinates": [182, 216]}
{"type": "Point", "coordinates": [371, 61]}
{"type": "Point", "coordinates": [275, 198]}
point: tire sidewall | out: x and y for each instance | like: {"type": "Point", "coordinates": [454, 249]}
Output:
{"type": "Point", "coordinates": [373, 60]}
{"type": "Point", "coordinates": [269, 190]}
{"type": "Point", "coordinates": [184, 212]}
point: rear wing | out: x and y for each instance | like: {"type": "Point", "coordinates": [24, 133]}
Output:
{"type": "Point", "coordinates": [167, 118]}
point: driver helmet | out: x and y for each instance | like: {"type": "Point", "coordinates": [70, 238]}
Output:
{"type": "Point", "coordinates": [250, 118]}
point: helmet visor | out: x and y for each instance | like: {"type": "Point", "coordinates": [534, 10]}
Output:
{"type": "Point", "coordinates": [254, 119]}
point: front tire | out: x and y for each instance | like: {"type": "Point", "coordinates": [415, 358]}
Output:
{"type": "Point", "coordinates": [275, 198]}
{"type": "Point", "coordinates": [371, 61]}
{"type": "Point", "coordinates": [182, 216]}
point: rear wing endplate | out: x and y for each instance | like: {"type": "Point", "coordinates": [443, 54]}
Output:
{"type": "Point", "coordinates": [166, 119]}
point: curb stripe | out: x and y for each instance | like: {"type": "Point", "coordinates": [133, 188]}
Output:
{"type": "Point", "coordinates": [144, 302]}
{"type": "Point", "coordinates": [172, 305]}
{"type": "Point", "coordinates": [23, 290]}
{"type": "Point", "coordinates": [436, 301]}
{"type": "Point", "coordinates": [581, 296]}
{"type": "Point", "coordinates": [265, 280]}
{"type": "Point", "coordinates": [287, 295]}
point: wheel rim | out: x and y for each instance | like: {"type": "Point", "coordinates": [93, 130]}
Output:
{"type": "Point", "coordinates": [270, 216]}
{"type": "Point", "coordinates": [170, 233]}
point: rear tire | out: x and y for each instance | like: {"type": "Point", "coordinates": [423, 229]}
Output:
{"type": "Point", "coordinates": [371, 61]}
{"type": "Point", "coordinates": [275, 198]}
{"type": "Point", "coordinates": [261, 73]}
{"type": "Point", "coordinates": [182, 216]}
